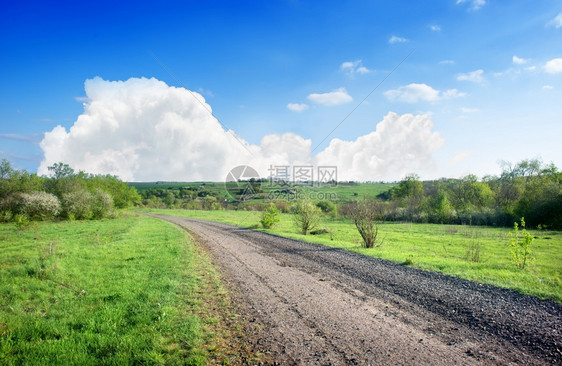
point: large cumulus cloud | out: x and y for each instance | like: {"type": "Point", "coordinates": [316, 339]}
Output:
{"type": "Point", "coordinates": [144, 130]}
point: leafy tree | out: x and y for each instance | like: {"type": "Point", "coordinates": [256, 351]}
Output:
{"type": "Point", "coordinates": [306, 216]}
{"type": "Point", "coordinates": [5, 169]}
{"type": "Point", "coordinates": [410, 194]}
{"type": "Point", "coordinates": [441, 207]}
{"type": "Point", "coordinates": [61, 170]}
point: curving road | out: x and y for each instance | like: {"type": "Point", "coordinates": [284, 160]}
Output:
{"type": "Point", "coordinates": [322, 306]}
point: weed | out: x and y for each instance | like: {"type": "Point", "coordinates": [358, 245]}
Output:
{"type": "Point", "coordinates": [473, 252]}
{"type": "Point", "coordinates": [520, 245]}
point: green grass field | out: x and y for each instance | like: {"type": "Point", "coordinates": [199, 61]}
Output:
{"type": "Point", "coordinates": [133, 290]}
{"type": "Point", "coordinates": [475, 253]}
{"type": "Point", "coordinates": [342, 192]}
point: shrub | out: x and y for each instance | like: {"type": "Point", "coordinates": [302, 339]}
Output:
{"type": "Point", "coordinates": [101, 204]}
{"type": "Point", "coordinates": [329, 208]}
{"type": "Point", "coordinates": [306, 216]}
{"type": "Point", "coordinates": [270, 216]}
{"type": "Point", "coordinates": [77, 205]}
{"type": "Point", "coordinates": [39, 205]}
{"type": "Point", "coordinates": [366, 215]}
{"type": "Point", "coordinates": [283, 206]}
{"type": "Point", "coordinates": [520, 245]}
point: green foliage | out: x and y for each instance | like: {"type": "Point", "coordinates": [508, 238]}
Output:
{"type": "Point", "coordinates": [328, 207]}
{"type": "Point", "coordinates": [270, 216]}
{"type": "Point", "coordinates": [67, 193]}
{"type": "Point", "coordinates": [520, 245]}
{"type": "Point", "coordinates": [101, 204]}
{"type": "Point", "coordinates": [442, 208]}
{"type": "Point", "coordinates": [39, 205]}
{"type": "Point", "coordinates": [77, 205]}
{"type": "Point", "coordinates": [306, 216]}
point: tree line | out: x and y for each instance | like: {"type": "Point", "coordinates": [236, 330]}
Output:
{"type": "Point", "coordinates": [65, 194]}
{"type": "Point", "coordinates": [527, 189]}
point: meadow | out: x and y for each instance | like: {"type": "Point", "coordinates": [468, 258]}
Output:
{"type": "Point", "coordinates": [132, 290]}
{"type": "Point", "coordinates": [475, 253]}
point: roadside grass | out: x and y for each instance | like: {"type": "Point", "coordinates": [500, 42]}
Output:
{"type": "Point", "coordinates": [472, 252]}
{"type": "Point", "coordinates": [133, 290]}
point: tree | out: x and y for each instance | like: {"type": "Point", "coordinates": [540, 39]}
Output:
{"type": "Point", "coordinates": [5, 169]}
{"type": "Point", "coordinates": [307, 216]}
{"type": "Point", "coordinates": [410, 194]}
{"type": "Point", "coordinates": [270, 216]}
{"type": "Point", "coordinates": [441, 207]}
{"type": "Point", "coordinates": [61, 170]}
{"type": "Point", "coordinates": [366, 215]}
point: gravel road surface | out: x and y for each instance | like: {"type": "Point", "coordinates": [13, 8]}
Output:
{"type": "Point", "coordinates": [314, 305]}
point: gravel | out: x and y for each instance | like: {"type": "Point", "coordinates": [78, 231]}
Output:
{"type": "Point", "coordinates": [318, 305]}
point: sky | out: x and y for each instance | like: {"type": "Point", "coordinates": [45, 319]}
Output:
{"type": "Point", "coordinates": [186, 91]}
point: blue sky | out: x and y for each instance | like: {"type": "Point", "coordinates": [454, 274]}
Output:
{"type": "Point", "coordinates": [486, 74]}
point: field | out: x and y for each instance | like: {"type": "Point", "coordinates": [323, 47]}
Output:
{"type": "Point", "coordinates": [133, 290]}
{"type": "Point", "coordinates": [342, 192]}
{"type": "Point", "coordinates": [475, 253]}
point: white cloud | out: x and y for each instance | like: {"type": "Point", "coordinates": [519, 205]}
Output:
{"type": "Point", "coordinates": [353, 67]}
{"type": "Point", "coordinates": [144, 130]}
{"type": "Point", "coordinates": [547, 87]}
{"type": "Point", "coordinates": [335, 97]}
{"type": "Point", "coordinates": [435, 27]}
{"type": "Point", "coordinates": [519, 60]}
{"type": "Point", "coordinates": [452, 93]}
{"type": "Point", "coordinates": [460, 156]}
{"type": "Point", "coordinates": [399, 145]}
{"type": "Point", "coordinates": [553, 66]}
{"type": "Point", "coordinates": [469, 110]}
{"type": "Point", "coordinates": [297, 107]}
{"type": "Point", "coordinates": [81, 99]}
{"type": "Point", "coordinates": [413, 93]}
{"type": "Point", "coordinates": [474, 76]}
{"type": "Point", "coordinates": [396, 39]}
{"type": "Point", "coordinates": [556, 22]}
{"type": "Point", "coordinates": [447, 62]}
{"type": "Point", "coordinates": [475, 4]}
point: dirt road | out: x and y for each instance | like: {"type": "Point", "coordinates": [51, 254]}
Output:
{"type": "Point", "coordinates": [322, 306]}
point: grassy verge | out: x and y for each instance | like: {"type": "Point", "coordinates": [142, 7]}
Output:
{"type": "Point", "coordinates": [475, 253]}
{"type": "Point", "coordinates": [133, 290]}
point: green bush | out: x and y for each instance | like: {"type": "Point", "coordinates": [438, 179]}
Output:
{"type": "Point", "coordinates": [40, 205]}
{"type": "Point", "coordinates": [102, 204]}
{"type": "Point", "coordinates": [307, 216]}
{"type": "Point", "coordinates": [77, 205]}
{"type": "Point", "coordinates": [270, 216]}
{"type": "Point", "coordinates": [329, 208]}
